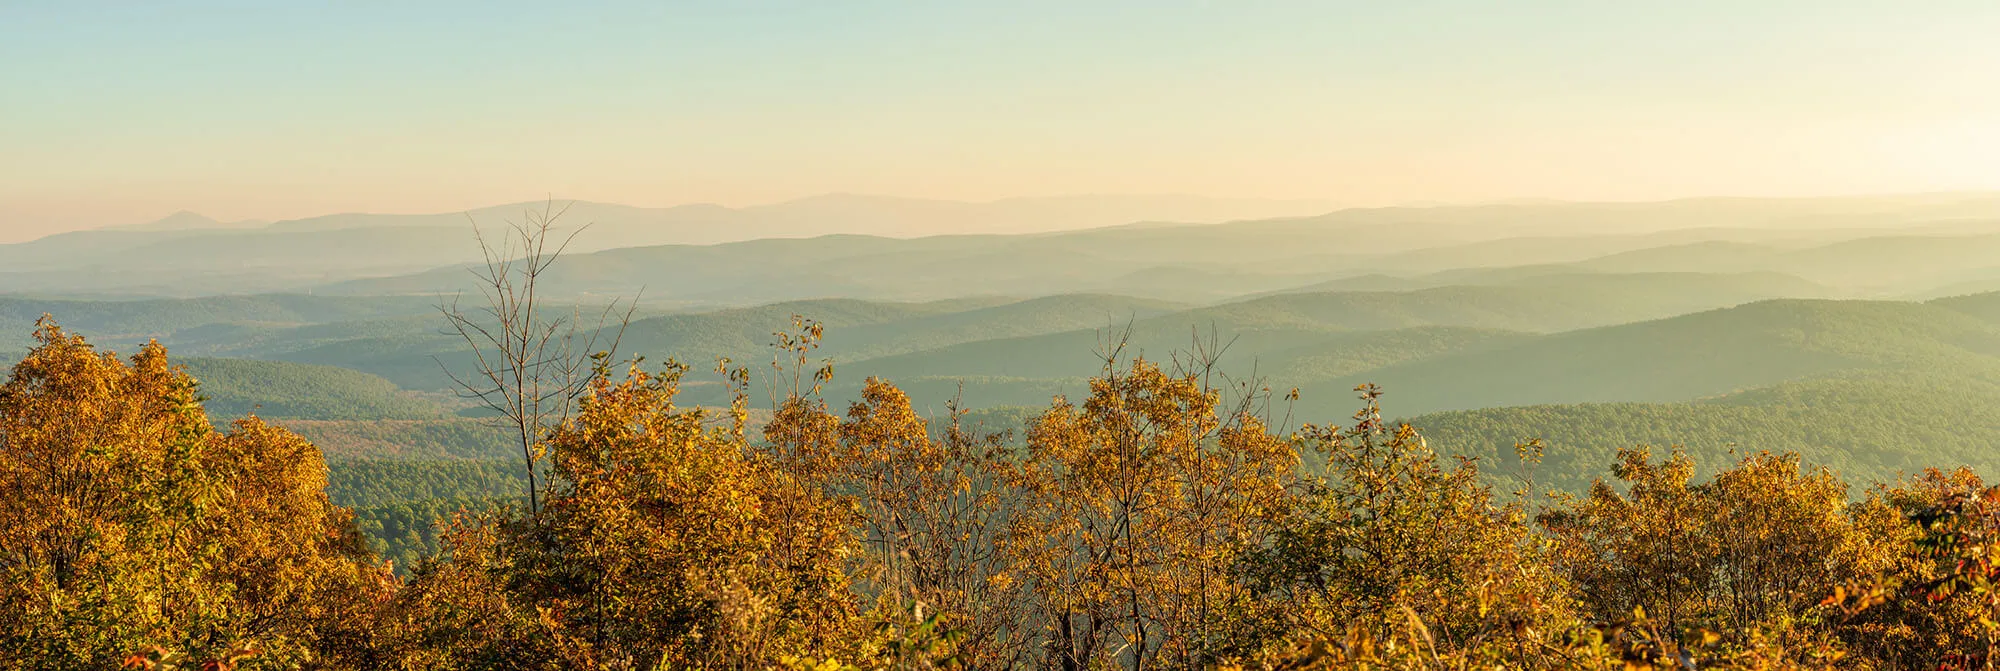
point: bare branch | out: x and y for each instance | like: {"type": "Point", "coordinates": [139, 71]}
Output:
{"type": "Point", "coordinates": [530, 366]}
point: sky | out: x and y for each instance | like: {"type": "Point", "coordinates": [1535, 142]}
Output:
{"type": "Point", "coordinates": [118, 113]}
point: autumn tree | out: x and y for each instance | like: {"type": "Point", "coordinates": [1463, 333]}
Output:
{"type": "Point", "coordinates": [934, 508]}
{"type": "Point", "coordinates": [128, 524]}
{"type": "Point", "coordinates": [294, 566]}
{"type": "Point", "coordinates": [1135, 507]}
{"type": "Point", "coordinates": [1391, 534]}
{"type": "Point", "coordinates": [1751, 554]}
{"type": "Point", "coordinates": [666, 540]}
{"type": "Point", "coordinates": [1643, 548]}
{"type": "Point", "coordinates": [1931, 594]}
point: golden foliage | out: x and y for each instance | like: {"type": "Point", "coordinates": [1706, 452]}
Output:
{"type": "Point", "coordinates": [662, 541]}
{"type": "Point", "coordinates": [1136, 507]}
{"type": "Point", "coordinates": [127, 523]}
{"type": "Point", "coordinates": [1393, 537]}
{"type": "Point", "coordinates": [1151, 525]}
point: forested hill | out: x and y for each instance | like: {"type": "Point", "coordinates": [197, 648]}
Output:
{"type": "Point", "coordinates": [282, 390]}
{"type": "Point", "coordinates": [122, 324]}
{"type": "Point", "coordinates": [1700, 355]}
{"type": "Point", "coordinates": [1812, 376]}
{"type": "Point", "coordinates": [1535, 340]}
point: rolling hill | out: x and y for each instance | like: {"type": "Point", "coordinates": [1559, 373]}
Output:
{"type": "Point", "coordinates": [123, 324]}
{"type": "Point", "coordinates": [281, 390]}
{"type": "Point", "coordinates": [1705, 354]}
{"type": "Point", "coordinates": [1194, 263]}
{"type": "Point", "coordinates": [1887, 265]}
{"type": "Point", "coordinates": [1294, 338]}
{"type": "Point", "coordinates": [1869, 428]}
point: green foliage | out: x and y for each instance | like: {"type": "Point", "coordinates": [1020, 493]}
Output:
{"type": "Point", "coordinates": [407, 532]}
{"type": "Point", "coordinates": [398, 504]}
{"type": "Point", "coordinates": [363, 483]}
{"type": "Point", "coordinates": [461, 438]}
{"type": "Point", "coordinates": [129, 323]}
{"type": "Point", "coordinates": [281, 390]}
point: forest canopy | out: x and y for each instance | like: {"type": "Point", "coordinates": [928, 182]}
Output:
{"type": "Point", "coordinates": [1169, 518]}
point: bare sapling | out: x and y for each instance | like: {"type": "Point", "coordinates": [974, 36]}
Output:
{"type": "Point", "coordinates": [531, 360]}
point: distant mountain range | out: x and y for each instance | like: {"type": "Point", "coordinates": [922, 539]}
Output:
{"type": "Point", "coordinates": [1167, 248]}
{"type": "Point", "coordinates": [1884, 248]}
{"type": "Point", "coordinates": [187, 254]}
{"type": "Point", "coordinates": [188, 221]}
{"type": "Point", "coordinates": [704, 223]}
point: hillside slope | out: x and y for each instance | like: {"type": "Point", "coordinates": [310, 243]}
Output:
{"type": "Point", "coordinates": [1869, 427]}
{"type": "Point", "coordinates": [277, 389]}
{"type": "Point", "coordinates": [1697, 355]}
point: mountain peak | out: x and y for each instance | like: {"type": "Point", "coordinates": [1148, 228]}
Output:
{"type": "Point", "coordinates": [188, 218]}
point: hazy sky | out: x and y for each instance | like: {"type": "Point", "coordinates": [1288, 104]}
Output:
{"type": "Point", "coordinates": [124, 112]}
